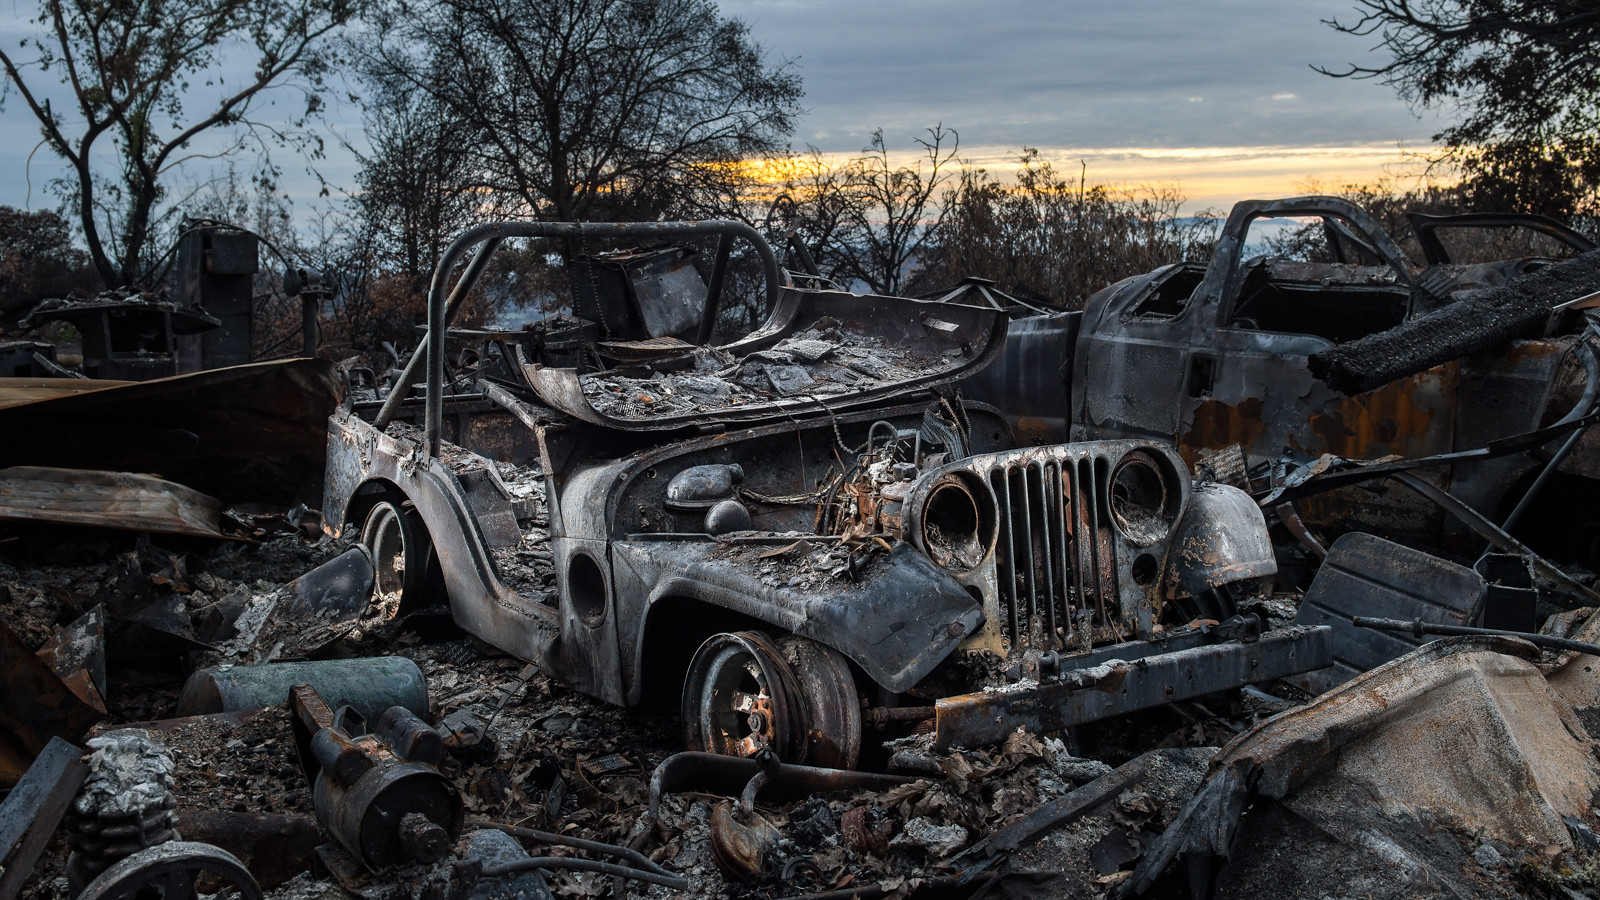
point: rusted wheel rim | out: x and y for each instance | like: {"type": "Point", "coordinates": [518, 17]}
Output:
{"type": "Point", "coordinates": [174, 868]}
{"type": "Point", "coordinates": [383, 535]}
{"type": "Point", "coordinates": [397, 539]}
{"type": "Point", "coordinates": [740, 698]}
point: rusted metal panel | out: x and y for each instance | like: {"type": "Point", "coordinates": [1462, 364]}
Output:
{"type": "Point", "coordinates": [250, 432]}
{"type": "Point", "coordinates": [275, 847]}
{"type": "Point", "coordinates": [23, 391]}
{"type": "Point", "coordinates": [106, 500]}
{"type": "Point", "coordinates": [1116, 688]}
{"type": "Point", "coordinates": [35, 706]}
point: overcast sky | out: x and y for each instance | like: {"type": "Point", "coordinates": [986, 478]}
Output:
{"type": "Point", "coordinates": [1217, 95]}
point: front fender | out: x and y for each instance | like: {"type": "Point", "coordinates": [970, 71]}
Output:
{"type": "Point", "coordinates": [897, 622]}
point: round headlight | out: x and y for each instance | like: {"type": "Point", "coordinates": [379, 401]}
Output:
{"type": "Point", "coordinates": [957, 523]}
{"type": "Point", "coordinates": [1145, 495]}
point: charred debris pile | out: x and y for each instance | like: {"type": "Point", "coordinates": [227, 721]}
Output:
{"type": "Point", "coordinates": [586, 614]}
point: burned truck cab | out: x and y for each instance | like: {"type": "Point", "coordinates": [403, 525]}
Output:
{"type": "Point", "coordinates": [805, 531]}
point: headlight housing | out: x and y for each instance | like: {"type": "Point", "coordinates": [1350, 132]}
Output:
{"type": "Point", "coordinates": [1145, 496]}
{"type": "Point", "coordinates": [956, 522]}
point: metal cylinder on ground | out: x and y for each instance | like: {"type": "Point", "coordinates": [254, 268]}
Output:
{"type": "Point", "coordinates": [371, 686]}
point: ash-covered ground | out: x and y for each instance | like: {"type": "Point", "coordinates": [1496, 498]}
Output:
{"type": "Point", "coordinates": [559, 761]}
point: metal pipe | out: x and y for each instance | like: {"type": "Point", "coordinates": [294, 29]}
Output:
{"type": "Point", "coordinates": [370, 685]}
{"type": "Point", "coordinates": [731, 774]}
{"type": "Point", "coordinates": [498, 231]}
{"type": "Point", "coordinates": [806, 261]}
{"type": "Point", "coordinates": [1585, 405]}
{"type": "Point", "coordinates": [408, 376]}
{"type": "Point", "coordinates": [546, 837]}
{"type": "Point", "coordinates": [1419, 628]}
{"type": "Point", "coordinates": [308, 322]}
{"type": "Point", "coordinates": [879, 716]}
{"type": "Point", "coordinates": [719, 274]}
{"type": "Point", "coordinates": [584, 865]}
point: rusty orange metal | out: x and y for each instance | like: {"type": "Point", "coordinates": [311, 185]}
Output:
{"type": "Point", "coordinates": [35, 706]}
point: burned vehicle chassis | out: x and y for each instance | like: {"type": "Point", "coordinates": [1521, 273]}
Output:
{"type": "Point", "coordinates": [886, 542]}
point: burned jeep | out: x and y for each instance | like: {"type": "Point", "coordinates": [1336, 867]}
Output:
{"type": "Point", "coordinates": [1232, 355]}
{"type": "Point", "coordinates": [772, 529]}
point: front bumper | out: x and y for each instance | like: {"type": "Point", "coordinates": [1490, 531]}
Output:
{"type": "Point", "coordinates": [1123, 682]}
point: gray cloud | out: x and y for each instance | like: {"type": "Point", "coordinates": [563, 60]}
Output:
{"type": "Point", "coordinates": [1005, 73]}
{"type": "Point", "coordinates": [1013, 72]}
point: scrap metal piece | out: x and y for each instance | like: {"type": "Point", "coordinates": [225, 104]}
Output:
{"type": "Point", "coordinates": [77, 654]}
{"type": "Point", "coordinates": [31, 811]}
{"type": "Point", "coordinates": [730, 774]}
{"type": "Point", "coordinates": [175, 868]}
{"type": "Point", "coordinates": [633, 857]}
{"type": "Point", "coordinates": [1117, 688]}
{"type": "Point", "coordinates": [249, 432]}
{"type": "Point", "coordinates": [1497, 536]}
{"type": "Point", "coordinates": [369, 685]}
{"type": "Point", "coordinates": [1365, 575]}
{"type": "Point", "coordinates": [1329, 472]}
{"type": "Point", "coordinates": [1221, 540]}
{"type": "Point", "coordinates": [742, 840]}
{"type": "Point", "coordinates": [980, 857]}
{"type": "Point", "coordinates": [35, 706]}
{"type": "Point", "coordinates": [342, 585]}
{"type": "Point", "coordinates": [119, 500]}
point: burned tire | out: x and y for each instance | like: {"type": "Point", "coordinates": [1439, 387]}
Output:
{"type": "Point", "coordinates": [400, 549]}
{"type": "Point", "coordinates": [745, 693]}
{"type": "Point", "coordinates": [831, 706]}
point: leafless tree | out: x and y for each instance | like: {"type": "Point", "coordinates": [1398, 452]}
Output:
{"type": "Point", "coordinates": [592, 109]}
{"type": "Point", "coordinates": [148, 78]}
{"type": "Point", "coordinates": [417, 189]}
{"type": "Point", "coordinates": [1523, 74]}
{"type": "Point", "coordinates": [886, 214]}
{"type": "Point", "coordinates": [1056, 239]}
